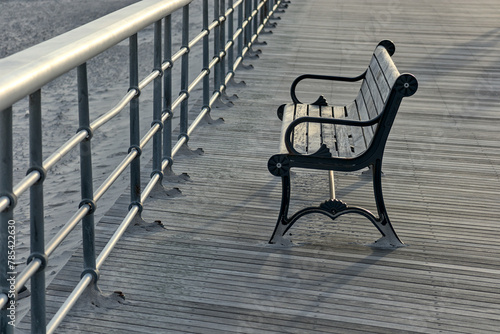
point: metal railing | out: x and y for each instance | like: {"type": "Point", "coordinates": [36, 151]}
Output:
{"type": "Point", "coordinates": [26, 73]}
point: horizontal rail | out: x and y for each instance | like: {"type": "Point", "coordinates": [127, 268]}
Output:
{"type": "Point", "coordinates": [34, 176]}
{"type": "Point", "coordinates": [69, 303]}
{"type": "Point", "coordinates": [113, 112]}
{"type": "Point", "coordinates": [114, 175]}
{"type": "Point", "coordinates": [36, 264]}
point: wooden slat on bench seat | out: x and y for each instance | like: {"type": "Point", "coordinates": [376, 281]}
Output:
{"type": "Point", "coordinates": [328, 130]}
{"type": "Point", "coordinates": [342, 134]}
{"type": "Point", "coordinates": [309, 137]}
{"type": "Point", "coordinates": [314, 135]}
{"type": "Point", "coordinates": [335, 137]}
{"type": "Point", "coordinates": [300, 133]}
{"type": "Point", "coordinates": [288, 117]}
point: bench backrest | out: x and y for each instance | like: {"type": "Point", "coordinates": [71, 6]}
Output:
{"type": "Point", "coordinates": [374, 93]}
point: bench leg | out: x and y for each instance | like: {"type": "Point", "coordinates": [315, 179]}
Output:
{"type": "Point", "coordinates": [332, 184]}
{"type": "Point", "coordinates": [389, 238]}
{"type": "Point", "coordinates": [282, 226]}
{"type": "Point", "coordinates": [335, 208]}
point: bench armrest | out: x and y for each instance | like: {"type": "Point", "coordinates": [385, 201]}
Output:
{"type": "Point", "coordinates": [320, 77]}
{"type": "Point", "coordinates": [335, 121]}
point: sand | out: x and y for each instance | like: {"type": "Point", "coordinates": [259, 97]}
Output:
{"type": "Point", "coordinates": [25, 23]}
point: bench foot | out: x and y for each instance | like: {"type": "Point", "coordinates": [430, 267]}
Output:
{"type": "Point", "coordinates": [389, 237]}
{"type": "Point", "coordinates": [388, 242]}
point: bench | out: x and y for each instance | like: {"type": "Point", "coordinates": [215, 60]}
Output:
{"type": "Point", "coordinates": [342, 138]}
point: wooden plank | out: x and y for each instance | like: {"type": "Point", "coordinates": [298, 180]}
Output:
{"type": "Point", "coordinates": [368, 89]}
{"type": "Point", "coordinates": [384, 72]}
{"type": "Point", "coordinates": [389, 70]}
{"type": "Point", "coordinates": [328, 131]}
{"type": "Point", "coordinates": [300, 131]}
{"type": "Point", "coordinates": [288, 117]}
{"type": "Point", "coordinates": [314, 135]}
{"type": "Point", "coordinates": [362, 110]}
{"type": "Point", "coordinates": [358, 140]}
{"type": "Point", "coordinates": [343, 142]}
{"type": "Point", "coordinates": [378, 95]}
{"type": "Point", "coordinates": [370, 92]}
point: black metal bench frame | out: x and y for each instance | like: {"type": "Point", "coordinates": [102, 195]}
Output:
{"type": "Point", "coordinates": [280, 164]}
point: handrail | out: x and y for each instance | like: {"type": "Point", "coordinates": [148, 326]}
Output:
{"type": "Point", "coordinates": [26, 73]}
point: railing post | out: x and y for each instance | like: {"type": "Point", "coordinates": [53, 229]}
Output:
{"type": "Point", "coordinates": [241, 36]}
{"type": "Point", "coordinates": [157, 99]}
{"type": "Point", "coordinates": [255, 18]}
{"type": "Point", "coordinates": [206, 57]}
{"type": "Point", "coordinates": [265, 11]}
{"type": "Point", "coordinates": [86, 177]}
{"type": "Point", "coordinates": [222, 37]}
{"type": "Point", "coordinates": [248, 28]}
{"type": "Point", "coordinates": [217, 67]}
{"type": "Point", "coordinates": [230, 28]}
{"type": "Point", "coordinates": [6, 217]}
{"type": "Point", "coordinates": [135, 166]}
{"type": "Point", "coordinates": [185, 74]}
{"type": "Point", "coordinates": [38, 317]}
{"type": "Point", "coordinates": [167, 92]}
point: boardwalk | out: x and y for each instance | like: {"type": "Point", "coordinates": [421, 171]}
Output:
{"type": "Point", "coordinates": [199, 262]}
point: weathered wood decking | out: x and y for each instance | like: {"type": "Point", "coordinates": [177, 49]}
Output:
{"type": "Point", "coordinates": [209, 268]}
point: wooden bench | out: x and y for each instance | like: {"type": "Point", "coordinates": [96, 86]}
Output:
{"type": "Point", "coordinates": [342, 138]}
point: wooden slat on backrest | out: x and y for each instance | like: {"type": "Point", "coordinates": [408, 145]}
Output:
{"type": "Point", "coordinates": [385, 72]}
{"type": "Point", "coordinates": [381, 75]}
{"type": "Point", "coordinates": [373, 92]}
{"type": "Point", "coordinates": [372, 100]}
{"type": "Point", "coordinates": [361, 109]}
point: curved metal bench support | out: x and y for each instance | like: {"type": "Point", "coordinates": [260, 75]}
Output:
{"type": "Point", "coordinates": [335, 208]}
